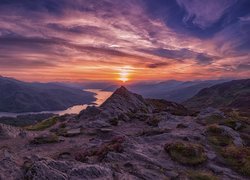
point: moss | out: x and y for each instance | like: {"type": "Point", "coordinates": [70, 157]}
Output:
{"type": "Point", "coordinates": [43, 124]}
{"type": "Point", "coordinates": [217, 136]}
{"type": "Point", "coordinates": [201, 175]}
{"type": "Point", "coordinates": [45, 139]}
{"type": "Point", "coordinates": [238, 158]}
{"type": "Point", "coordinates": [186, 153]}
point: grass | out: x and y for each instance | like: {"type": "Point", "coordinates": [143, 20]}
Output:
{"type": "Point", "coordinates": [43, 124]}
{"type": "Point", "coordinates": [238, 158]}
{"type": "Point", "coordinates": [215, 118]}
{"type": "Point", "coordinates": [186, 153]}
{"type": "Point", "coordinates": [201, 175]}
{"type": "Point", "coordinates": [45, 139]}
{"type": "Point", "coordinates": [217, 136]}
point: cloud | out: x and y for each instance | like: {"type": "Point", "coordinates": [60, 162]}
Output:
{"type": "Point", "coordinates": [94, 38]}
{"type": "Point", "coordinates": [158, 65]}
{"type": "Point", "coordinates": [205, 59]}
{"type": "Point", "coordinates": [204, 13]}
{"type": "Point", "coordinates": [181, 55]}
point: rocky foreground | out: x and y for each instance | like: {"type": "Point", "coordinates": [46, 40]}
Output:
{"type": "Point", "coordinates": [129, 137]}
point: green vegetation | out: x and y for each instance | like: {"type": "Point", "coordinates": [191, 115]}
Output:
{"type": "Point", "coordinates": [186, 153]}
{"type": "Point", "coordinates": [45, 139]}
{"type": "Point", "coordinates": [238, 158]}
{"type": "Point", "coordinates": [217, 136]}
{"type": "Point", "coordinates": [43, 124]}
{"type": "Point", "coordinates": [201, 175]}
{"type": "Point", "coordinates": [25, 120]}
{"type": "Point", "coordinates": [215, 118]}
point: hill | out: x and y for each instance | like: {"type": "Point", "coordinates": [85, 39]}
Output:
{"type": "Point", "coordinates": [233, 94]}
{"type": "Point", "coordinates": [18, 96]}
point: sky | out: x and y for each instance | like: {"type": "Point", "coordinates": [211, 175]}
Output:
{"type": "Point", "coordinates": [75, 40]}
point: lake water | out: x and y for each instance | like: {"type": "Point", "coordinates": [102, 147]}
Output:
{"type": "Point", "coordinates": [101, 96]}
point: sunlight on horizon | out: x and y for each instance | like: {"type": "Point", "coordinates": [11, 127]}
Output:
{"type": "Point", "coordinates": [124, 73]}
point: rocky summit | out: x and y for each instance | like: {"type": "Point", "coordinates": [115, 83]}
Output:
{"type": "Point", "coordinates": [129, 138]}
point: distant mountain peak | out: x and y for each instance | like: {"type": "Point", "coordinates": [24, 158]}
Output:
{"type": "Point", "coordinates": [121, 91]}
{"type": "Point", "coordinates": [122, 100]}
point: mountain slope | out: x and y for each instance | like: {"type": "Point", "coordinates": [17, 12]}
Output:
{"type": "Point", "coordinates": [18, 96]}
{"type": "Point", "coordinates": [233, 94]}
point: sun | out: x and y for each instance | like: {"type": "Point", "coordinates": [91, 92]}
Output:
{"type": "Point", "coordinates": [124, 73]}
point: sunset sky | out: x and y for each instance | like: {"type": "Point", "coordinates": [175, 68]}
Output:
{"type": "Point", "coordinates": [73, 40]}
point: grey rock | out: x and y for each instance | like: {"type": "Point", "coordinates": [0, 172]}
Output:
{"type": "Point", "coordinates": [234, 134]}
{"type": "Point", "coordinates": [210, 111]}
{"type": "Point", "coordinates": [90, 172]}
{"type": "Point", "coordinates": [40, 170]}
{"type": "Point", "coordinates": [123, 102]}
{"type": "Point", "coordinates": [89, 112]}
{"type": "Point", "coordinates": [10, 170]}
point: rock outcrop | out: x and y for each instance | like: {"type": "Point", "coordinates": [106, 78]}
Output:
{"type": "Point", "coordinates": [123, 101]}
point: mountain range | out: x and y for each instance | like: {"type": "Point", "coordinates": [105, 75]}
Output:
{"type": "Point", "coordinates": [233, 94]}
{"type": "Point", "coordinates": [18, 96]}
{"type": "Point", "coordinates": [171, 90]}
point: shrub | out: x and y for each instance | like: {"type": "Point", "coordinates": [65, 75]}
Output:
{"type": "Point", "coordinates": [217, 136]}
{"type": "Point", "coordinates": [238, 158]}
{"type": "Point", "coordinates": [43, 124]}
{"type": "Point", "coordinates": [186, 153]}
